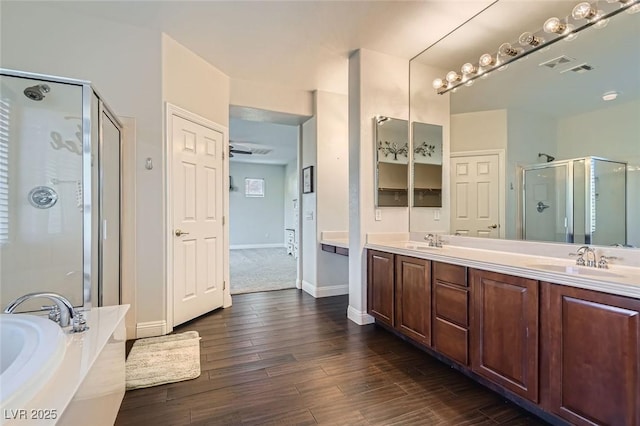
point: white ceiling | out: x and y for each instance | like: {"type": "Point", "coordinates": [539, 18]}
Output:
{"type": "Point", "coordinates": [301, 44]}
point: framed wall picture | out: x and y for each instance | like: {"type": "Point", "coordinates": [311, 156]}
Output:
{"type": "Point", "coordinates": [253, 187]}
{"type": "Point", "coordinates": [307, 180]}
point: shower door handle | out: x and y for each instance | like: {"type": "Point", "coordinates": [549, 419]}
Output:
{"type": "Point", "coordinates": [494, 226]}
{"type": "Point", "coordinates": [180, 232]}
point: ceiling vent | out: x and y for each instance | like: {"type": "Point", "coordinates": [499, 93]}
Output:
{"type": "Point", "coordinates": [560, 60]}
{"type": "Point", "coordinates": [579, 69]}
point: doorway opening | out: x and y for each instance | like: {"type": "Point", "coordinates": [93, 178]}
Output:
{"type": "Point", "coordinates": [264, 220]}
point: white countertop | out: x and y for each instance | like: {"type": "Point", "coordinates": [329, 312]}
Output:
{"type": "Point", "coordinates": [335, 238]}
{"type": "Point", "coordinates": [618, 279]}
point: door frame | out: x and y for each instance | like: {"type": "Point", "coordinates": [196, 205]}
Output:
{"type": "Point", "coordinates": [171, 110]}
{"type": "Point", "coordinates": [502, 190]}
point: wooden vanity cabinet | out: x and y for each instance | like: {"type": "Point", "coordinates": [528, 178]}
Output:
{"type": "Point", "coordinates": [380, 286]}
{"type": "Point", "coordinates": [504, 331]}
{"type": "Point", "coordinates": [413, 298]}
{"type": "Point", "coordinates": [593, 348]}
{"type": "Point", "coordinates": [450, 307]}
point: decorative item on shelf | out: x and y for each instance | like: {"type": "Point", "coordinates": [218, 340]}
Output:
{"type": "Point", "coordinates": [425, 149]}
{"type": "Point", "coordinates": [307, 180]}
{"type": "Point", "coordinates": [584, 15]}
{"type": "Point", "coordinates": [392, 148]}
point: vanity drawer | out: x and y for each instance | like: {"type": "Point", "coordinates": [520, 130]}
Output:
{"type": "Point", "coordinates": [451, 340]}
{"type": "Point", "coordinates": [451, 303]}
{"type": "Point", "coordinates": [453, 274]}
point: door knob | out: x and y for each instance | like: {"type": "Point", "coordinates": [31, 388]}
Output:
{"type": "Point", "coordinates": [179, 232]}
{"type": "Point", "coordinates": [494, 226]}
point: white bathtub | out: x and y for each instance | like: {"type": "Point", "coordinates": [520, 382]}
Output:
{"type": "Point", "coordinates": [31, 349]}
{"type": "Point", "coordinates": [51, 376]}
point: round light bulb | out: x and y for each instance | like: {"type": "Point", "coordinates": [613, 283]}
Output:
{"type": "Point", "coordinates": [633, 9]}
{"type": "Point", "coordinates": [599, 22]}
{"type": "Point", "coordinates": [528, 39]}
{"type": "Point", "coordinates": [570, 35]}
{"type": "Point", "coordinates": [438, 83]}
{"type": "Point", "coordinates": [506, 49]}
{"type": "Point", "coordinates": [487, 60]}
{"type": "Point", "coordinates": [469, 68]}
{"type": "Point", "coordinates": [553, 26]}
{"type": "Point", "coordinates": [453, 76]}
{"type": "Point", "coordinates": [583, 10]}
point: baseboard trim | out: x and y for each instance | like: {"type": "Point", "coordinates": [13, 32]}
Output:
{"type": "Point", "coordinates": [359, 317]}
{"type": "Point", "coordinates": [256, 246]}
{"type": "Point", "coordinates": [325, 291]}
{"type": "Point", "coordinates": [151, 329]}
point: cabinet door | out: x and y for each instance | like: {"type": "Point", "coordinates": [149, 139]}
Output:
{"type": "Point", "coordinates": [380, 279]}
{"type": "Point", "coordinates": [504, 331]}
{"type": "Point", "coordinates": [594, 356]}
{"type": "Point", "coordinates": [413, 298]}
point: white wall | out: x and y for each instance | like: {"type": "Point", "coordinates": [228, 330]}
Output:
{"type": "Point", "coordinates": [124, 64]}
{"type": "Point", "coordinates": [307, 206]}
{"type": "Point", "coordinates": [475, 131]}
{"type": "Point", "coordinates": [528, 134]}
{"type": "Point", "coordinates": [271, 98]}
{"type": "Point", "coordinates": [332, 189]}
{"type": "Point", "coordinates": [430, 108]}
{"type": "Point", "coordinates": [610, 133]}
{"type": "Point", "coordinates": [190, 82]}
{"type": "Point", "coordinates": [378, 85]}
{"type": "Point", "coordinates": [257, 221]}
{"type": "Point", "coordinates": [290, 194]}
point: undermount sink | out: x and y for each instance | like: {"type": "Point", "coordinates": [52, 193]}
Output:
{"type": "Point", "coordinates": [417, 246]}
{"type": "Point", "coordinates": [574, 270]}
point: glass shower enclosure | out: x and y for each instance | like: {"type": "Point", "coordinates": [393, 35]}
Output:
{"type": "Point", "coordinates": [581, 200]}
{"type": "Point", "coordinates": [60, 189]}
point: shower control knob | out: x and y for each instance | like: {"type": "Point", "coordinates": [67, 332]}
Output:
{"type": "Point", "coordinates": [180, 232]}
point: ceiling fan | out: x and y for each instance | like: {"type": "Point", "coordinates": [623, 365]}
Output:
{"type": "Point", "coordinates": [233, 150]}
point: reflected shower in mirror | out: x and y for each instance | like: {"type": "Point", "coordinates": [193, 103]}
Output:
{"type": "Point", "coordinates": [392, 161]}
{"type": "Point", "coordinates": [569, 100]}
{"type": "Point", "coordinates": [427, 165]}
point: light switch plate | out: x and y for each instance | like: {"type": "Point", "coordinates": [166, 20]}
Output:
{"type": "Point", "coordinates": [378, 215]}
{"type": "Point", "coordinates": [436, 214]}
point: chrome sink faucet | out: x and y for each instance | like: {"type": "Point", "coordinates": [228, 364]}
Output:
{"type": "Point", "coordinates": [62, 312]}
{"type": "Point", "coordinates": [433, 240]}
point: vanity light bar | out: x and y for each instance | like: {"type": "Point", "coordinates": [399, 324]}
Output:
{"type": "Point", "coordinates": [583, 15]}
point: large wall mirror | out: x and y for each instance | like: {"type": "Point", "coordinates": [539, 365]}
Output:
{"type": "Point", "coordinates": [548, 147]}
{"type": "Point", "coordinates": [392, 162]}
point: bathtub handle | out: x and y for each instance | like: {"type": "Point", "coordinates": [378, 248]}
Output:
{"type": "Point", "coordinates": [54, 312]}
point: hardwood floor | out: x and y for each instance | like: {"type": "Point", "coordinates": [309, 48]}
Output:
{"type": "Point", "coordinates": [284, 357]}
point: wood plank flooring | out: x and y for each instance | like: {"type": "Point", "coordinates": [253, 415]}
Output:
{"type": "Point", "coordinates": [284, 357]}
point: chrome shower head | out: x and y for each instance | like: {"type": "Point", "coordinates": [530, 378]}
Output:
{"type": "Point", "coordinates": [36, 93]}
{"type": "Point", "coordinates": [550, 158]}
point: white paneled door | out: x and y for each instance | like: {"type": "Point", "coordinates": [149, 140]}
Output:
{"type": "Point", "coordinates": [197, 198]}
{"type": "Point", "coordinates": [475, 203]}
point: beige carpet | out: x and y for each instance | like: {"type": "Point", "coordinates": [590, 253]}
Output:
{"type": "Point", "coordinates": [166, 359]}
{"type": "Point", "coordinates": [263, 269]}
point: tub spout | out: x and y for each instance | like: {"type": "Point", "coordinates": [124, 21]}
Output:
{"type": "Point", "coordinates": [67, 313]}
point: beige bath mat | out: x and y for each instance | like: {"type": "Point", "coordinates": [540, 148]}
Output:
{"type": "Point", "coordinates": [166, 359]}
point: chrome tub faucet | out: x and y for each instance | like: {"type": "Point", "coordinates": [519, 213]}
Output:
{"type": "Point", "coordinates": [62, 312]}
